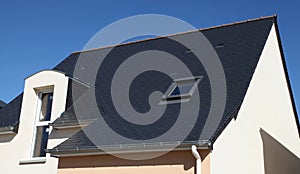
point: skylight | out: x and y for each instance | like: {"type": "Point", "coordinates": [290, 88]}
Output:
{"type": "Point", "coordinates": [181, 90]}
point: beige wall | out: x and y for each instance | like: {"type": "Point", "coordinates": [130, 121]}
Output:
{"type": "Point", "coordinates": [177, 162]}
{"type": "Point", "coordinates": [17, 148]}
{"type": "Point", "coordinates": [267, 107]}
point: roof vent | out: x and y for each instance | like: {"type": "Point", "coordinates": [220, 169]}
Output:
{"type": "Point", "coordinates": [220, 45]}
{"type": "Point", "coordinates": [188, 51]}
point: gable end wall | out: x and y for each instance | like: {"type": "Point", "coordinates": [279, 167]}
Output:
{"type": "Point", "coordinates": [264, 137]}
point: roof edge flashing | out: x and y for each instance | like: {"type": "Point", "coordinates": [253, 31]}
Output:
{"type": "Point", "coordinates": [98, 152]}
{"type": "Point", "coordinates": [286, 73]}
{"type": "Point", "coordinates": [132, 148]}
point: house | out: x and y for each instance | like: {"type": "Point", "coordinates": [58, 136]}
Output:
{"type": "Point", "coordinates": [236, 115]}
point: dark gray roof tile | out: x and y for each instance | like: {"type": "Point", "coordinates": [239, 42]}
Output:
{"type": "Point", "coordinates": [10, 114]}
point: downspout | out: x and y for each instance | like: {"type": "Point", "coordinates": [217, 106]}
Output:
{"type": "Point", "coordinates": [198, 159]}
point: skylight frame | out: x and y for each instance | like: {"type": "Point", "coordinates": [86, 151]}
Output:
{"type": "Point", "coordinates": [180, 98]}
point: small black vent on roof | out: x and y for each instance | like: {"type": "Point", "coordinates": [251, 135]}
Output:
{"type": "Point", "coordinates": [188, 51]}
{"type": "Point", "coordinates": [220, 45]}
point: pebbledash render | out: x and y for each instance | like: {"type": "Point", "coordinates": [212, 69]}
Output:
{"type": "Point", "coordinates": [43, 130]}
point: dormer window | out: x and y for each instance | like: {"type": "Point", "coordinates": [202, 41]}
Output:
{"type": "Point", "coordinates": [181, 90]}
{"type": "Point", "coordinates": [45, 99]}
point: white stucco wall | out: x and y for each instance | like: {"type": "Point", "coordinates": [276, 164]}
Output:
{"type": "Point", "coordinates": [19, 147]}
{"type": "Point", "coordinates": [267, 105]}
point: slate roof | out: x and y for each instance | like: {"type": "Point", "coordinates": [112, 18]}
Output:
{"type": "Point", "coordinates": [10, 114]}
{"type": "Point", "coordinates": [238, 46]}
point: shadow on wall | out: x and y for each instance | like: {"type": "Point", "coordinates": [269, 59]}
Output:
{"type": "Point", "coordinates": [7, 138]}
{"type": "Point", "coordinates": [277, 158]}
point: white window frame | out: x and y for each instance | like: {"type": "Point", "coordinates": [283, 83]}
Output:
{"type": "Point", "coordinates": [37, 122]}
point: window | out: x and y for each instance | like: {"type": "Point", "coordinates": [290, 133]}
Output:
{"type": "Point", "coordinates": [42, 124]}
{"type": "Point", "coordinates": [181, 90]}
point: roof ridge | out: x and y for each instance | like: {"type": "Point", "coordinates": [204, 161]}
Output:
{"type": "Point", "coordinates": [179, 33]}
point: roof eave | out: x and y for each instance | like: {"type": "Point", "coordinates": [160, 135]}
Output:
{"type": "Point", "coordinates": [138, 148]}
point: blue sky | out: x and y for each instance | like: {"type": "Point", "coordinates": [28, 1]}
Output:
{"type": "Point", "coordinates": [37, 35]}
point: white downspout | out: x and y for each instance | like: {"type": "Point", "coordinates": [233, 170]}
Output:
{"type": "Point", "coordinates": [198, 159]}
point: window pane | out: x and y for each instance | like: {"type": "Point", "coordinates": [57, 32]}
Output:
{"type": "Point", "coordinates": [182, 89]}
{"type": "Point", "coordinates": [175, 91]}
{"type": "Point", "coordinates": [45, 113]}
{"type": "Point", "coordinates": [41, 141]}
{"type": "Point", "coordinates": [185, 88]}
